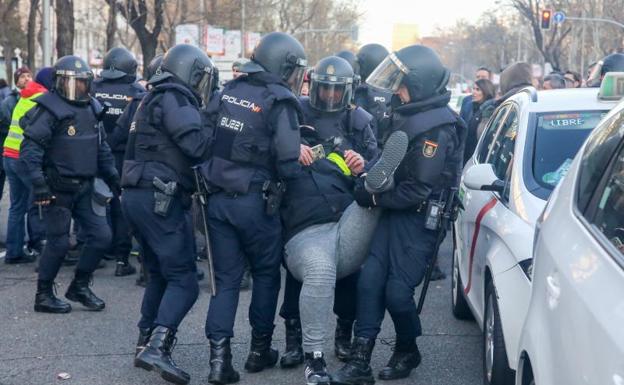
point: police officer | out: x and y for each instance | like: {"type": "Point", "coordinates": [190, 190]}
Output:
{"type": "Point", "coordinates": [118, 86]}
{"type": "Point", "coordinates": [63, 150]}
{"type": "Point", "coordinates": [319, 196]}
{"type": "Point", "coordinates": [119, 138]}
{"type": "Point", "coordinates": [373, 100]}
{"type": "Point", "coordinates": [166, 138]}
{"type": "Point", "coordinates": [402, 245]}
{"type": "Point", "coordinates": [353, 61]}
{"type": "Point", "coordinates": [256, 146]}
{"type": "Point", "coordinates": [610, 63]}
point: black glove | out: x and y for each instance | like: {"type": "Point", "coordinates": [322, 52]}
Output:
{"type": "Point", "coordinates": [114, 184]}
{"type": "Point", "coordinates": [41, 192]}
{"type": "Point", "coordinates": [363, 197]}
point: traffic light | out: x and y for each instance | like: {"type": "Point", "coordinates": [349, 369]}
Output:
{"type": "Point", "coordinates": [546, 17]}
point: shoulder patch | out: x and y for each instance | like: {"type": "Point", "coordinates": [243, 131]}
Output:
{"type": "Point", "coordinates": [429, 149]}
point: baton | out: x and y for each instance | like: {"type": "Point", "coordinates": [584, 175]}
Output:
{"type": "Point", "coordinates": [200, 197]}
{"type": "Point", "coordinates": [446, 217]}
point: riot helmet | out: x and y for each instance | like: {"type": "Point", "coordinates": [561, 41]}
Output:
{"type": "Point", "coordinates": [72, 79]}
{"type": "Point", "coordinates": [351, 58]}
{"type": "Point", "coordinates": [331, 84]}
{"type": "Point", "coordinates": [369, 57]}
{"type": "Point", "coordinates": [119, 62]}
{"type": "Point", "coordinates": [191, 66]}
{"type": "Point", "coordinates": [282, 55]}
{"type": "Point", "coordinates": [416, 67]}
{"type": "Point", "coordinates": [153, 67]}
{"type": "Point", "coordinates": [611, 63]}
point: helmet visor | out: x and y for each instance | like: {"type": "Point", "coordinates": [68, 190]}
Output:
{"type": "Point", "coordinates": [204, 86]}
{"type": "Point", "coordinates": [388, 75]}
{"type": "Point", "coordinates": [330, 93]}
{"type": "Point", "coordinates": [74, 86]}
{"type": "Point", "coordinates": [295, 80]}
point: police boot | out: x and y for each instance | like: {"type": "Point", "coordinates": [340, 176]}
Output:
{"type": "Point", "coordinates": [380, 177]}
{"type": "Point", "coordinates": [144, 335]}
{"type": "Point", "coordinates": [316, 369]}
{"type": "Point", "coordinates": [221, 370]}
{"type": "Point", "coordinates": [124, 267]}
{"type": "Point", "coordinates": [46, 301]}
{"type": "Point", "coordinates": [357, 370]}
{"type": "Point", "coordinates": [79, 291]}
{"type": "Point", "coordinates": [293, 355]}
{"type": "Point", "coordinates": [157, 356]}
{"type": "Point", "coordinates": [261, 355]}
{"type": "Point", "coordinates": [405, 358]}
{"type": "Point", "coordinates": [342, 339]}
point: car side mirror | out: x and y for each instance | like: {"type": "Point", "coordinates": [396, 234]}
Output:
{"type": "Point", "coordinates": [482, 177]}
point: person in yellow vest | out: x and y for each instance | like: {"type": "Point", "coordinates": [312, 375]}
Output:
{"type": "Point", "coordinates": [19, 184]}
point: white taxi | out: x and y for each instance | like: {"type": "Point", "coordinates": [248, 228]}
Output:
{"type": "Point", "coordinates": [525, 149]}
{"type": "Point", "coordinates": [574, 328]}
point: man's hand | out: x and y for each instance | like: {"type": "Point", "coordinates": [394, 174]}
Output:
{"type": "Point", "coordinates": [306, 157]}
{"type": "Point", "coordinates": [354, 161]}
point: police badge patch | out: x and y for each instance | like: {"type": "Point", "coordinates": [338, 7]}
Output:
{"type": "Point", "coordinates": [429, 149]}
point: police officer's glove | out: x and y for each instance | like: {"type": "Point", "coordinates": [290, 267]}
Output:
{"type": "Point", "coordinates": [363, 197]}
{"type": "Point", "coordinates": [114, 184]}
{"type": "Point", "coordinates": [42, 193]}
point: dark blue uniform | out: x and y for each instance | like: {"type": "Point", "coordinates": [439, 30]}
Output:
{"type": "Point", "coordinates": [256, 140]}
{"type": "Point", "coordinates": [402, 246]}
{"type": "Point", "coordinates": [64, 147]}
{"type": "Point", "coordinates": [166, 138]}
{"type": "Point", "coordinates": [377, 103]}
{"type": "Point", "coordinates": [119, 93]}
{"type": "Point", "coordinates": [307, 201]}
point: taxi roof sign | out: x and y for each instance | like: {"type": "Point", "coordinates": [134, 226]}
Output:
{"type": "Point", "coordinates": [612, 86]}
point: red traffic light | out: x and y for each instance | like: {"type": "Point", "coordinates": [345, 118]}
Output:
{"type": "Point", "coordinates": [546, 17]}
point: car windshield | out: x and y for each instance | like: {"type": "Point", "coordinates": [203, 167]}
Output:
{"type": "Point", "coordinates": [559, 135]}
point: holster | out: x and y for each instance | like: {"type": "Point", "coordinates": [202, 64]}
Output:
{"type": "Point", "coordinates": [273, 192]}
{"type": "Point", "coordinates": [163, 196]}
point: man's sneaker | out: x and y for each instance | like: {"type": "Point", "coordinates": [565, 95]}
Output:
{"type": "Point", "coordinates": [380, 177]}
{"type": "Point", "coordinates": [316, 369]}
{"type": "Point", "coordinates": [19, 260]}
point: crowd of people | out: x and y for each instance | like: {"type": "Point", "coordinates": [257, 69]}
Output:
{"type": "Point", "coordinates": [344, 187]}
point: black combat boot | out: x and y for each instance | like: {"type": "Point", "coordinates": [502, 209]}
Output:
{"type": "Point", "coordinates": [405, 358]}
{"type": "Point", "coordinates": [316, 369]}
{"type": "Point", "coordinates": [261, 355]}
{"type": "Point", "coordinates": [123, 267]}
{"type": "Point", "coordinates": [144, 335]}
{"type": "Point", "coordinates": [342, 339]}
{"type": "Point", "coordinates": [157, 356]}
{"type": "Point", "coordinates": [221, 370]}
{"type": "Point", "coordinates": [46, 301]}
{"type": "Point", "coordinates": [357, 370]}
{"type": "Point", "coordinates": [293, 356]}
{"type": "Point", "coordinates": [79, 291]}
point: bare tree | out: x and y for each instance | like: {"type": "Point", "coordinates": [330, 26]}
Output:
{"type": "Point", "coordinates": [31, 35]}
{"type": "Point", "coordinates": [11, 34]}
{"type": "Point", "coordinates": [139, 16]}
{"type": "Point", "coordinates": [64, 27]}
{"type": "Point", "coordinates": [549, 43]}
{"type": "Point", "coordinates": [111, 24]}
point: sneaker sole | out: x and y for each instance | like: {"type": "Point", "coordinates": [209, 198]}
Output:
{"type": "Point", "coordinates": [393, 153]}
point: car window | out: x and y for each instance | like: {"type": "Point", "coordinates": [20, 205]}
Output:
{"type": "Point", "coordinates": [558, 137]}
{"type": "Point", "coordinates": [608, 215]}
{"type": "Point", "coordinates": [490, 132]}
{"type": "Point", "coordinates": [502, 153]}
{"type": "Point", "coordinates": [600, 146]}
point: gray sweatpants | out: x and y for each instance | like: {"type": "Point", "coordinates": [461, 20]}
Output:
{"type": "Point", "coordinates": [320, 254]}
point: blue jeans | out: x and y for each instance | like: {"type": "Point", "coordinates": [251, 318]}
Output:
{"type": "Point", "coordinates": [19, 188]}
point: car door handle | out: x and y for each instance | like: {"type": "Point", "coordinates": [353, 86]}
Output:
{"type": "Point", "coordinates": [553, 290]}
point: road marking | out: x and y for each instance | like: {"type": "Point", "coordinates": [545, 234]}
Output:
{"type": "Point", "coordinates": [488, 206]}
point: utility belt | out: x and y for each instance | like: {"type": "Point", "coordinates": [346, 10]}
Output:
{"type": "Point", "coordinates": [272, 193]}
{"type": "Point", "coordinates": [64, 183]}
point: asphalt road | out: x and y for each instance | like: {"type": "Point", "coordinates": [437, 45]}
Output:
{"type": "Point", "coordinates": [97, 348]}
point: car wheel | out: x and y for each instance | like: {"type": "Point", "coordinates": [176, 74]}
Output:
{"type": "Point", "coordinates": [461, 310]}
{"type": "Point", "coordinates": [496, 369]}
